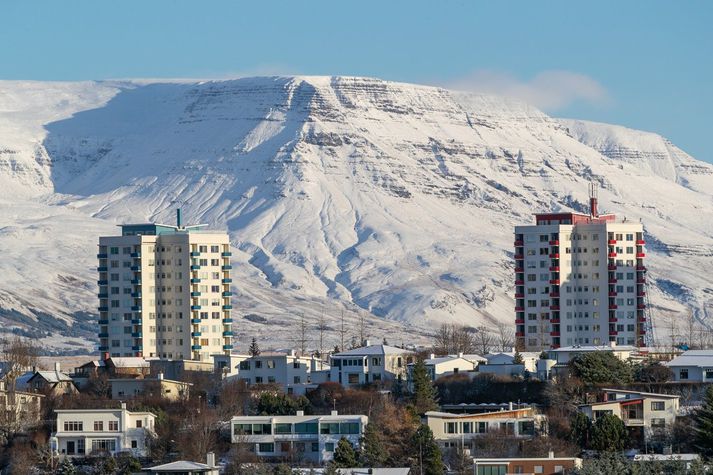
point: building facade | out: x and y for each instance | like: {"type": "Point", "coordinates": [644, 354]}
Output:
{"type": "Point", "coordinates": [298, 437]}
{"type": "Point", "coordinates": [692, 366]}
{"type": "Point", "coordinates": [164, 291]}
{"type": "Point", "coordinates": [83, 432]}
{"type": "Point", "coordinates": [18, 409]}
{"type": "Point", "coordinates": [370, 364]}
{"type": "Point", "coordinates": [542, 465]}
{"type": "Point", "coordinates": [579, 280]}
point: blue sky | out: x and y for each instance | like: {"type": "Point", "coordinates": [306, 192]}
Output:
{"type": "Point", "coordinates": [646, 65]}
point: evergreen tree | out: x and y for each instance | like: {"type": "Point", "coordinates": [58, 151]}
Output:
{"type": "Point", "coordinates": [344, 454]}
{"type": "Point", "coordinates": [517, 359]}
{"type": "Point", "coordinates": [429, 454]}
{"type": "Point", "coordinates": [66, 467]}
{"type": "Point", "coordinates": [254, 348]}
{"type": "Point", "coordinates": [373, 450]}
{"type": "Point", "coordinates": [703, 429]}
{"type": "Point", "coordinates": [424, 395]}
{"type": "Point", "coordinates": [580, 427]}
{"type": "Point", "coordinates": [608, 434]}
{"type": "Point", "coordinates": [600, 367]}
{"type": "Point", "coordinates": [330, 469]}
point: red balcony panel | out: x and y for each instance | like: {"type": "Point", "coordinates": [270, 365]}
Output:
{"type": "Point", "coordinates": [555, 269]}
{"type": "Point", "coordinates": [555, 282]}
{"type": "Point", "coordinates": [555, 242]}
{"type": "Point", "coordinates": [612, 320]}
{"type": "Point", "coordinates": [611, 241]}
{"type": "Point", "coordinates": [555, 255]}
{"type": "Point", "coordinates": [641, 268]}
{"type": "Point", "coordinates": [519, 257]}
{"type": "Point", "coordinates": [519, 309]}
{"type": "Point", "coordinates": [612, 294]}
{"type": "Point", "coordinates": [519, 269]}
{"type": "Point", "coordinates": [554, 294]}
{"type": "Point", "coordinates": [554, 333]}
{"type": "Point", "coordinates": [519, 282]}
{"type": "Point", "coordinates": [612, 306]}
{"type": "Point", "coordinates": [519, 296]}
{"type": "Point", "coordinates": [640, 255]}
{"type": "Point", "coordinates": [641, 306]}
{"type": "Point", "coordinates": [612, 280]}
{"type": "Point", "coordinates": [613, 332]}
{"type": "Point", "coordinates": [641, 294]}
{"type": "Point", "coordinates": [640, 242]}
{"type": "Point", "coordinates": [554, 307]}
{"type": "Point", "coordinates": [642, 319]}
{"type": "Point", "coordinates": [611, 267]}
{"type": "Point", "coordinates": [612, 254]}
{"type": "Point", "coordinates": [519, 243]}
{"type": "Point", "coordinates": [555, 321]}
{"type": "Point", "coordinates": [519, 321]}
{"type": "Point", "coordinates": [519, 334]}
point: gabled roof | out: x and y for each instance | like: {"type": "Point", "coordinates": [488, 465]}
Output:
{"type": "Point", "coordinates": [640, 393]}
{"type": "Point", "coordinates": [374, 350]}
{"type": "Point", "coordinates": [51, 376]}
{"type": "Point", "coordinates": [693, 358]}
{"type": "Point", "coordinates": [130, 362]}
{"type": "Point", "coordinates": [179, 466]}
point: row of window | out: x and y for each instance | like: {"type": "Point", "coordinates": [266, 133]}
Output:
{"type": "Point", "coordinates": [325, 428]}
{"type": "Point", "coordinates": [78, 426]}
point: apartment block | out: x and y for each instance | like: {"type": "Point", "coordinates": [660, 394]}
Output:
{"type": "Point", "coordinates": [299, 437]}
{"type": "Point", "coordinates": [164, 291]}
{"type": "Point", "coordinates": [579, 280]}
{"type": "Point", "coordinates": [82, 432]}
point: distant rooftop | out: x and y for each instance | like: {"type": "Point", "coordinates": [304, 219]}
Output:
{"type": "Point", "coordinates": [374, 350]}
{"type": "Point", "coordinates": [693, 358]}
{"type": "Point", "coordinates": [156, 229]}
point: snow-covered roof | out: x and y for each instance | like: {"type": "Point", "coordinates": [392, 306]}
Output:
{"type": "Point", "coordinates": [179, 466]}
{"type": "Point", "coordinates": [374, 350]}
{"type": "Point", "coordinates": [130, 362]}
{"type": "Point", "coordinates": [52, 376]}
{"type": "Point", "coordinates": [474, 357]}
{"type": "Point", "coordinates": [693, 358]}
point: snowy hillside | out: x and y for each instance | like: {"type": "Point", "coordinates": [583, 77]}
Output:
{"type": "Point", "coordinates": [394, 202]}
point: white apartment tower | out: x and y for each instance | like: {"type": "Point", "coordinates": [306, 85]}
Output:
{"type": "Point", "coordinates": [164, 291]}
{"type": "Point", "coordinates": [579, 280]}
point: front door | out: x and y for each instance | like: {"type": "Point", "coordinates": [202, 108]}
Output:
{"type": "Point", "coordinates": [70, 447]}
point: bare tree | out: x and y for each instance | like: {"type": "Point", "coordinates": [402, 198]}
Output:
{"type": "Point", "coordinates": [483, 340]}
{"type": "Point", "coordinates": [673, 332]}
{"type": "Point", "coordinates": [321, 328]}
{"type": "Point", "coordinates": [362, 329]}
{"type": "Point", "coordinates": [342, 333]}
{"type": "Point", "coordinates": [19, 355]}
{"type": "Point", "coordinates": [303, 335]}
{"type": "Point", "coordinates": [505, 337]}
{"type": "Point", "coordinates": [452, 339]}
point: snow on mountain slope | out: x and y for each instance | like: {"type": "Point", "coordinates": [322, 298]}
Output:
{"type": "Point", "coordinates": [390, 201]}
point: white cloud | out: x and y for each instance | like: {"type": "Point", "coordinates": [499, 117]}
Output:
{"type": "Point", "coordinates": [548, 90]}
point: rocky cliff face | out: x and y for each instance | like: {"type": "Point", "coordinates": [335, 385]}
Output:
{"type": "Point", "coordinates": [391, 203]}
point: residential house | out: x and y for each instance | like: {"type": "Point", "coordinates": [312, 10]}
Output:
{"type": "Point", "coordinates": [378, 364]}
{"type": "Point", "coordinates": [562, 356]}
{"type": "Point", "coordinates": [439, 366]}
{"type": "Point", "coordinates": [693, 366]}
{"type": "Point", "coordinates": [125, 388]}
{"type": "Point", "coordinates": [18, 409]}
{"type": "Point", "coordinates": [54, 382]}
{"type": "Point", "coordinates": [307, 438]}
{"type": "Point", "coordinates": [644, 414]}
{"type": "Point", "coordinates": [82, 432]}
{"type": "Point", "coordinates": [294, 374]}
{"type": "Point", "coordinates": [503, 364]}
{"type": "Point", "coordinates": [184, 467]}
{"type": "Point", "coordinates": [452, 430]}
{"type": "Point", "coordinates": [550, 465]}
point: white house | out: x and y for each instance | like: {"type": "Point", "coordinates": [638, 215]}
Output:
{"type": "Point", "coordinates": [439, 366]}
{"type": "Point", "coordinates": [452, 430]}
{"type": "Point", "coordinates": [309, 438]}
{"type": "Point", "coordinates": [294, 374]}
{"type": "Point", "coordinates": [566, 354]}
{"type": "Point", "coordinates": [370, 364]}
{"type": "Point", "coordinates": [503, 364]}
{"type": "Point", "coordinates": [643, 413]}
{"type": "Point", "coordinates": [693, 365]}
{"type": "Point", "coordinates": [82, 432]}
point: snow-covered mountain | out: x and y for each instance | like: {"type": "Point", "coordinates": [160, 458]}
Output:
{"type": "Point", "coordinates": [389, 203]}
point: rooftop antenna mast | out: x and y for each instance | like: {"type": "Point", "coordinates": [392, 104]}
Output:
{"type": "Point", "coordinates": [593, 198]}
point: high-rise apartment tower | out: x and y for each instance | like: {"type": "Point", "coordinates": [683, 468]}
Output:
{"type": "Point", "coordinates": [164, 291]}
{"type": "Point", "coordinates": [579, 280]}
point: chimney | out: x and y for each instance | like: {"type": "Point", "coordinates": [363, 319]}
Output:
{"type": "Point", "coordinates": [431, 356]}
{"type": "Point", "coordinates": [159, 376]}
{"type": "Point", "coordinates": [335, 413]}
{"type": "Point", "coordinates": [123, 406]}
{"type": "Point", "coordinates": [551, 454]}
{"type": "Point", "coordinates": [593, 211]}
{"type": "Point", "coordinates": [210, 460]}
{"type": "Point", "coordinates": [367, 343]}
{"type": "Point", "coordinates": [178, 217]}
{"type": "Point", "coordinates": [105, 356]}
{"type": "Point", "coordinates": [300, 413]}
{"type": "Point", "coordinates": [56, 366]}
{"type": "Point", "coordinates": [510, 406]}
{"type": "Point", "coordinates": [460, 354]}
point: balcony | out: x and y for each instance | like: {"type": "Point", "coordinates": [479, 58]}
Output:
{"type": "Point", "coordinates": [103, 335]}
{"type": "Point", "coordinates": [136, 281]}
{"type": "Point", "coordinates": [227, 333]}
{"type": "Point", "coordinates": [613, 332]}
{"type": "Point", "coordinates": [554, 294]}
{"type": "Point", "coordinates": [226, 254]}
{"type": "Point", "coordinates": [519, 269]}
{"type": "Point", "coordinates": [195, 321]}
{"type": "Point", "coordinates": [612, 294]}
{"type": "Point", "coordinates": [227, 347]}
{"type": "Point", "coordinates": [195, 254]}
{"type": "Point", "coordinates": [641, 294]}
{"type": "Point", "coordinates": [519, 321]}
{"type": "Point", "coordinates": [555, 321]}
{"type": "Point", "coordinates": [613, 306]}
{"type": "Point", "coordinates": [136, 295]}
{"type": "Point", "coordinates": [555, 242]}
{"type": "Point", "coordinates": [640, 268]}
{"type": "Point", "coordinates": [136, 308]}
{"type": "Point", "coordinates": [640, 242]}
{"type": "Point", "coordinates": [195, 334]}
{"type": "Point", "coordinates": [227, 294]}
{"type": "Point", "coordinates": [196, 347]}
{"type": "Point", "coordinates": [227, 267]}
{"type": "Point", "coordinates": [136, 268]}
{"type": "Point", "coordinates": [136, 347]}
{"type": "Point", "coordinates": [611, 267]}
{"type": "Point", "coordinates": [103, 295]}
{"type": "Point", "coordinates": [195, 307]}
{"type": "Point", "coordinates": [137, 335]}
{"type": "Point", "coordinates": [227, 281]}
{"type": "Point", "coordinates": [641, 306]}
{"type": "Point", "coordinates": [103, 309]}
{"type": "Point", "coordinates": [612, 280]}
{"type": "Point", "coordinates": [519, 257]}
{"type": "Point", "coordinates": [611, 242]}
{"type": "Point", "coordinates": [227, 321]}
{"type": "Point", "coordinates": [519, 282]}
{"type": "Point", "coordinates": [102, 268]}
{"type": "Point", "coordinates": [136, 255]}
{"type": "Point", "coordinates": [554, 333]}
{"type": "Point", "coordinates": [102, 282]}
{"type": "Point", "coordinates": [195, 281]}
{"type": "Point", "coordinates": [519, 309]}
{"type": "Point", "coordinates": [195, 267]}
{"type": "Point", "coordinates": [519, 296]}
{"type": "Point", "coordinates": [103, 322]}
{"type": "Point", "coordinates": [613, 320]}
{"type": "Point", "coordinates": [555, 269]}
{"type": "Point", "coordinates": [555, 281]}
{"type": "Point", "coordinates": [633, 422]}
{"type": "Point", "coordinates": [554, 307]}
{"type": "Point", "coordinates": [103, 348]}
{"type": "Point", "coordinates": [519, 334]}
{"type": "Point", "coordinates": [136, 321]}
{"type": "Point", "coordinates": [640, 255]}
{"type": "Point", "coordinates": [195, 294]}
{"type": "Point", "coordinates": [102, 255]}
{"type": "Point", "coordinates": [227, 307]}
{"type": "Point", "coordinates": [555, 255]}
{"type": "Point", "coordinates": [642, 319]}
{"type": "Point", "coordinates": [612, 254]}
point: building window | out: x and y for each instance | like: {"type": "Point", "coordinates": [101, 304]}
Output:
{"type": "Point", "coordinates": [296, 364]}
{"type": "Point", "coordinates": [134, 444]}
{"type": "Point", "coordinates": [657, 405]}
{"type": "Point", "coordinates": [329, 447]}
{"type": "Point", "coordinates": [658, 423]}
{"type": "Point", "coordinates": [297, 380]}
{"type": "Point", "coordinates": [451, 427]}
{"type": "Point", "coordinates": [98, 426]}
{"type": "Point", "coordinates": [315, 446]}
{"type": "Point", "coordinates": [271, 364]}
{"type": "Point", "coordinates": [75, 426]}
{"type": "Point", "coordinates": [113, 425]}
{"type": "Point", "coordinates": [139, 424]}
{"type": "Point", "coordinates": [683, 373]}
{"type": "Point", "coordinates": [103, 445]}
{"type": "Point", "coordinates": [266, 448]}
